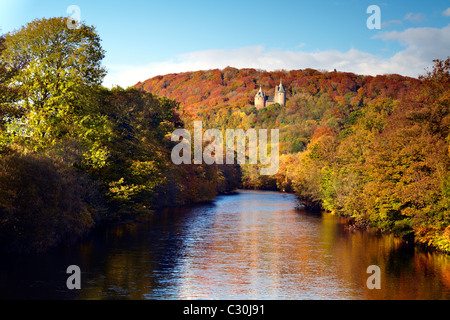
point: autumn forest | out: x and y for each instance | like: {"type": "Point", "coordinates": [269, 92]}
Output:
{"type": "Point", "coordinates": [372, 148]}
{"type": "Point", "coordinates": [75, 155]}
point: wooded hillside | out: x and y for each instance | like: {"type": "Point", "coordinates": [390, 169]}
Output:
{"type": "Point", "coordinates": [373, 148]}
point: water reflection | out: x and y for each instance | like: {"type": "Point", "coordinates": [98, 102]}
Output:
{"type": "Point", "coordinates": [252, 245]}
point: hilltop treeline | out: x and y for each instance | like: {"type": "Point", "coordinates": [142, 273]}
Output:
{"type": "Point", "coordinates": [373, 148]}
{"type": "Point", "coordinates": [74, 154]}
{"type": "Point", "coordinates": [315, 99]}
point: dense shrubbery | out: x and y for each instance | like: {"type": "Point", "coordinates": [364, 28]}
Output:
{"type": "Point", "coordinates": [42, 202]}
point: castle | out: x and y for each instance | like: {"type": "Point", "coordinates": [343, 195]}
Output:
{"type": "Point", "coordinates": [262, 101]}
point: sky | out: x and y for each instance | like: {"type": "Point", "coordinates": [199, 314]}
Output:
{"type": "Point", "coordinates": [146, 38]}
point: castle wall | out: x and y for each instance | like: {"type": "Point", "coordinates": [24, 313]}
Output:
{"type": "Point", "coordinates": [270, 103]}
{"type": "Point", "coordinates": [259, 103]}
{"type": "Point", "coordinates": [281, 99]}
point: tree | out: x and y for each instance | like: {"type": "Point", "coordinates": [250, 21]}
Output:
{"type": "Point", "coordinates": [42, 202]}
{"type": "Point", "coordinates": [57, 68]}
{"type": "Point", "coordinates": [50, 127]}
{"type": "Point", "coordinates": [8, 95]}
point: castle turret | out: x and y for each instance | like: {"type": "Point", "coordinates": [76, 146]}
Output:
{"type": "Point", "coordinates": [260, 99]}
{"type": "Point", "coordinates": [280, 95]}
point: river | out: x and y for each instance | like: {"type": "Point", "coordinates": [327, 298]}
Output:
{"type": "Point", "coordinates": [251, 245]}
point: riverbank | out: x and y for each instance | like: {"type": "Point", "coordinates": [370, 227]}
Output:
{"type": "Point", "coordinates": [364, 225]}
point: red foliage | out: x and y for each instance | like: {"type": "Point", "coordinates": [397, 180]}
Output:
{"type": "Point", "coordinates": [237, 87]}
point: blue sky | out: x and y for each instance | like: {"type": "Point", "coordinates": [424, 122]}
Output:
{"type": "Point", "coordinates": [146, 38]}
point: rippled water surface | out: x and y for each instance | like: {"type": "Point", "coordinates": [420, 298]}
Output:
{"type": "Point", "coordinates": [252, 245]}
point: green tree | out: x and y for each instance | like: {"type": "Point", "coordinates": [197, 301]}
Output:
{"type": "Point", "coordinates": [57, 69]}
{"type": "Point", "coordinates": [8, 94]}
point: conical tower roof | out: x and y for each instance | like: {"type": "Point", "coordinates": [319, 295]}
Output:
{"type": "Point", "coordinates": [281, 88]}
{"type": "Point", "coordinates": [260, 93]}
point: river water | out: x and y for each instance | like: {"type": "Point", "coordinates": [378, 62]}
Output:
{"type": "Point", "coordinates": [252, 245]}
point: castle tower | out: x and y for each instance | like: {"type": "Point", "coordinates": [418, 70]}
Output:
{"type": "Point", "coordinates": [260, 99]}
{"type": "Point", "coordinates": [280, 95]}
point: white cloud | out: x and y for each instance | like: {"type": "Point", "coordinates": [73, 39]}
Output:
{"type": "Point", "coordinates": [387, 23]}
{"type": "Point", "coordinates": [414, 17]}
{"type": "Point", "coordinates": [246, 57]}
{"type": "Point", "coordinates": [446, 12]}
{"type": "Point", "coordinates": [422, 45]}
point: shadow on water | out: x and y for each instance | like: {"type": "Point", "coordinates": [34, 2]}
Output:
{"type": "Point", "coordinates": [250, 245]}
